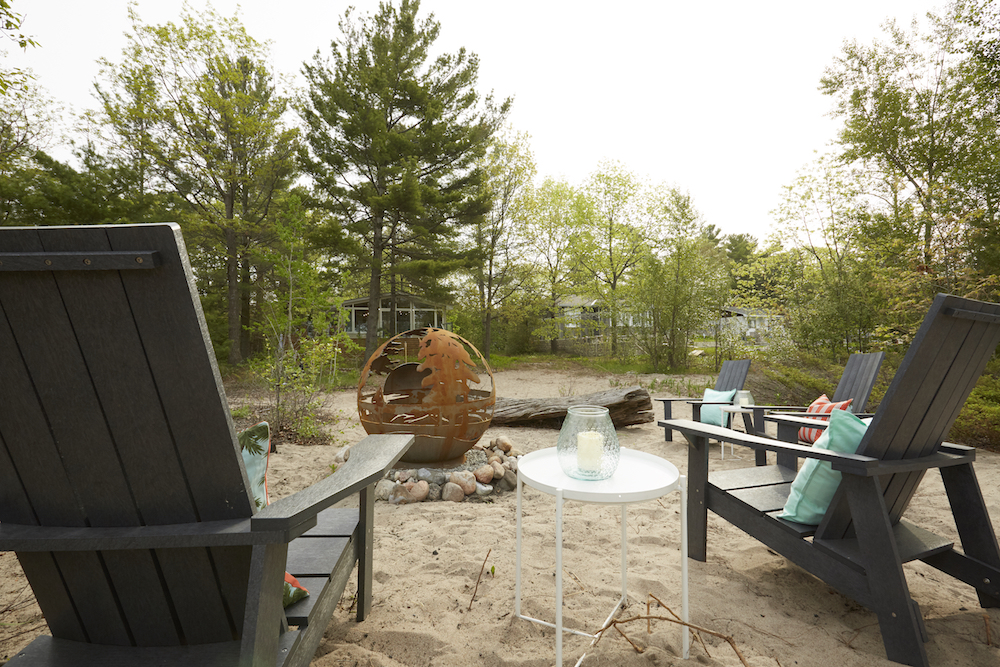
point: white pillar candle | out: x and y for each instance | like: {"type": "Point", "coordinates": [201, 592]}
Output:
{"type": "Point", "coordinates": [589, 449]}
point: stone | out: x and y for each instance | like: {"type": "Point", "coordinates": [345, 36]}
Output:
{"type": "Point", "coordinates": [498, 470]}
{"type": "Point", "coordinates": [452, 492]}
{"type": "Point", "coordinates": [483, 489]}
{"type": "Point", "coordinates": [484, 474]}
{"type": "Point", "coordinates": [433, 492]}
{"type": "Point", "coordinates": [494, 459]}
{"type": "Point", "coordinates": [515, 452]}
{"type": "Point", "coordinates": [503, 444]}
{"type": "Point", "coordinates": [383, 488]}
{"type": "Point", "coordinates": [464, 480]}
{"type": "Point", "coordinates": [405, 475]}
{"type": "Point", "coordinates": [474, 458]}
{"type": "Point", "coordinates": [400, 495]}
{"type": "Point", "coordinates": [340, 458]}
{"type": "Point", "coordinates": [509, 481]}
{"type": "Point", "coordinates": [419, 490]}
{"type": "Point", "coordinates": [432, 476]}
{"type": "Point", "coordinates": [512, 464]}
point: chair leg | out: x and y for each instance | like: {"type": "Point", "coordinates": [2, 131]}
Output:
{"type": "Point", "coordinates": [902, 630]}
{"type": "Point", "coordinates": [366, 517]}
{"type": "Point", "coordinates": [972, 520]}
{"type": "Point", "coordinates": [668, 411]}
{"type": "Point", "coordinates": [264, 615]}
{"type": "Point", "coordinates": [697, 507]}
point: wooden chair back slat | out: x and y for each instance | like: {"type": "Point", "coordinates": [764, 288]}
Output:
{"type": "Point", "coordinates": [858, 379]}
{"type": "Point", "coordinates": [732, 375]}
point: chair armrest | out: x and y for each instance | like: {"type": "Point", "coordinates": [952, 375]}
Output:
{"type": "Point", "coordinates": [368, 462]}
{"type": "Point", "coordinates": [671, 400]}
{"type": "Point", "coordinates": [283, 520]}
{"type": "Point", "coordinates": [235, 532]}
{"type": "Point", "coordinates": [947, 455]}
{"type": "Point", "coordinates": [697, 429]}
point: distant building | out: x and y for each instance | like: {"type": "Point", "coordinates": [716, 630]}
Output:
{"type": "Point", "coordinates": [751, 322]}
{"type": "Point", "coordinates": [412, 312]}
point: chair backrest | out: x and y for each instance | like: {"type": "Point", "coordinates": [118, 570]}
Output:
{"type": "Point", "coordinates": [947, 356]}
{"type": "Point", "coordinates": [732, 375]}
{"type": "Point", "coordinates": [112, 413]}
{"type": "Point", "coordinates": [858, 379]}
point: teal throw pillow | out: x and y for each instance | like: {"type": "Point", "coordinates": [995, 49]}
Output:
{"type": "Point", "coordinates": [712, 414]}
{"type": "Point", "coordinates": [817, 481]}
{"type": "Point", "coordinates": [255, 444]}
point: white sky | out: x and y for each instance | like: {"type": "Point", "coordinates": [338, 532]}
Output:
{"type": "Point", "coordinates": [717, 98]}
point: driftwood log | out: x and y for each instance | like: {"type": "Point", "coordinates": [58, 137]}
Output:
{"type": "Point", "coordinates": [628, 406]}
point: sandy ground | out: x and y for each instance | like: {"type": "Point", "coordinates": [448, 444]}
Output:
{"type": "Point", "coordinates": [429, 557]}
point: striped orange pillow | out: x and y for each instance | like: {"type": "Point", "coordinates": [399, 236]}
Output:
{"type": "Point", "coordinates": [822, 406]}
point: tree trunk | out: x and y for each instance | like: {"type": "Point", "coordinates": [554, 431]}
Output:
{"type": "Point", "coordinates": [245, 320]}
{"type": "Point", "coordinates": [628, 406]}
{"type": "Point", "coordinates": [374, 287]}
{"type": "Point", "coordinates": [233, 296]}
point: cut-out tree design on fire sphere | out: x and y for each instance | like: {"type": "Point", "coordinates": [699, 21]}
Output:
{"type": "Point", "coordinates": [451, 367]}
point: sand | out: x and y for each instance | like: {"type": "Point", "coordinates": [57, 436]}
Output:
{"type": "Point", "coordinates": [428, 559]}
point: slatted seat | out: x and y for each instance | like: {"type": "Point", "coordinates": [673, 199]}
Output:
{"type": "Point", "coordinates": [122, 487]}
{"type": "Point", "coordinates": [861, 543]}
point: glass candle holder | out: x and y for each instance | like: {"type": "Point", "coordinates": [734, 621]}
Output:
{"type": "Point", "coordinates": [588, 444]}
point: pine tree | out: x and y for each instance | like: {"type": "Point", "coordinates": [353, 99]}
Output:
{"type": "Point", "coordinates": [395, 140]}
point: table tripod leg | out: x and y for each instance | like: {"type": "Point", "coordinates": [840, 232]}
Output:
{"type": "Point", "coordinates": [686, 636]}
{"type": "Point", "coordinates": [559, 590]}
{"type": "Point", "coordinates": [624, 556]}
{"type": "Point", "coordinates": [517, 576]}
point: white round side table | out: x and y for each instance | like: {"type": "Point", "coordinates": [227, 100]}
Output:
{"type": "Point", "coordinates": [639, 477]}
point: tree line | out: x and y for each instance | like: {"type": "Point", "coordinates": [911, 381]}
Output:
{"type": "Point", "coordinates": [390, 173]}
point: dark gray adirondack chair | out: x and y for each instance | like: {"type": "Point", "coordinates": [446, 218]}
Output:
{"type": "Point", "coordinates": [732, 375]}
{"type": "Point", "coordinates": [122, 487]}
{"type": "Point", "coordinates": [862, 542]}
{"type": "Point", "coordinates": [857, 382]}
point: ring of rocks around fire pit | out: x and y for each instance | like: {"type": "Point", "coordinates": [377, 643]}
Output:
{"type": "Point", "coordinates": [488, 470]}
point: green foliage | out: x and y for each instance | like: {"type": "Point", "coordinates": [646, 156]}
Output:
{"type": "Point", "coordinates": [395, 142]}
{"type": "Point", "coordinates": [13, 80]}
{"type": "Point", "coordinates": [979, 422]}
{"type": "Point", "coordinates": [192, 109]}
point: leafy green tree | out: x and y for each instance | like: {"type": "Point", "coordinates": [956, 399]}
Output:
{"type": "Point", "coordinates": [835, 305]}
{"type": "Point", "coordinates": [395, 137]}
{"type": "Point", "coordinates": [612, 237]}
{"type": "Point", "coordinates": [303, 345]}
{"type": "Point", "coordinates": [552, 214]}
{"type": "Point", "coordinates": [497, 266]}
{"type": "Point", "coordinates": [909, 112]}
{"type": "Point", "coordinates": [693, 274]}
{"type": "Point", "coordinates": [196, 102]}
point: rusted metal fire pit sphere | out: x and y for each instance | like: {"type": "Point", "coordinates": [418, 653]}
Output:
{"type": "Point", "coordinates": [431, 383]}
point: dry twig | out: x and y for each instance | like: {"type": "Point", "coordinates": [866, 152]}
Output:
{"type": "Point", "coordinates": [481, 570]}
{"type": "Point", "coordinates": [696, 635]}
{"type": "Point", "coordinates": [616, 623]}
